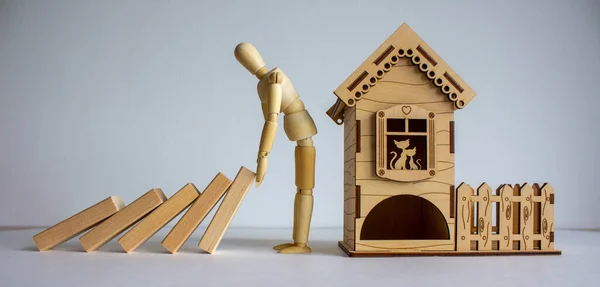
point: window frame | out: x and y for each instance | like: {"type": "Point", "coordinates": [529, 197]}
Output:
{"type": "Point", "coordinates": [382, 155]}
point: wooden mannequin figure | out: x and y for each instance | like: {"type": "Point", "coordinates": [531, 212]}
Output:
{"type": "Point", "coordinates": [277, 95]}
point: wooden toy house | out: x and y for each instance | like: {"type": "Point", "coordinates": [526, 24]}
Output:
{"type": "Point", "coordinates": [397, 109]}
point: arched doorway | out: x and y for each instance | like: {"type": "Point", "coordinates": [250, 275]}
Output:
{"type": "Point", "coordinates": [405, 217]}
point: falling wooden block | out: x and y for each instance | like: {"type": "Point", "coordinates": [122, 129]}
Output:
{"type": "Point", "coordinates": [197, 212]}
{"type": "Point", "coordinates": [77, 223]}
{"type": "Point", "coordinates": [158, 218]}
{"type": "Point", "coordinates": [238, 189]}
{"type": "Point", "coordinates": [122, 220]}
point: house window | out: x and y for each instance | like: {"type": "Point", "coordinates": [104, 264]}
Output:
{"type": "Point", "coordinates": [417, 125]}
{"type": "Point", "coordinates": [396, 125]}
{"type": "Point", "coordinates": [405, 143]}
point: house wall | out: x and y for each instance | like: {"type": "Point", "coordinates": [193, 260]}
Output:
{"type": "Point", "coordinates": [403, 84]}
{"type": "Point", "coordinates": [350, 133]}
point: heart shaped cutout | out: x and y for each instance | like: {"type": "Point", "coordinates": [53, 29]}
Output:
{"type": "Point", "coordinates": [406, 110]}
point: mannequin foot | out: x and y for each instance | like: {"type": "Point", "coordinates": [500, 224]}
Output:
{"type": "Point", "coordinates": [282, 246]}
{"type": "Point", "coordinates": [294, 249]}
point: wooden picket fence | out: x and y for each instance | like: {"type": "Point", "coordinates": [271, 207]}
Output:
{"type": "Point", "coordinates": [513, 218]}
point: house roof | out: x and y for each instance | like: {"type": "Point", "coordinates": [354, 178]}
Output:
{"type": "Point", "coordinates": [404, 42]}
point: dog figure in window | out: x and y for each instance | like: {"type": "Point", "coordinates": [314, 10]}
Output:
{"type": "Point", "coordinates": [411, 162]}
{"type": "Point", "coordinates": [402, 145]}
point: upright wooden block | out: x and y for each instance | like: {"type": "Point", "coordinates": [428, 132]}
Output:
{"type": "Point", "coordinates": [238, 189]}
{"type": "Point", "coordinates": [158, 218]}
{"type": "Point", "coordinates": [77, 223]}
{"type": "Point", "coordinates": [197, 212]}
{"type": "Point", "coordinates": [122, 220]}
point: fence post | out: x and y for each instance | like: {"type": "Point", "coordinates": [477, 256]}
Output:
{"type": "Point", "coordinates": [463, 223]}
{"type": "Point", "coordinates": [527, 217]}
{"type": "Point", "coordinates": [505, 226]}
{"type": "Point", "coordinates": [484, 223]}
{"type": "Point", "coordinates": [547, 217]}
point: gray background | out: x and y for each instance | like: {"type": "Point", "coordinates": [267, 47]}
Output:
{"type": "Point", "coordinates": [102, 98]}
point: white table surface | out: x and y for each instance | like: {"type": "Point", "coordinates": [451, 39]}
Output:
{"type": "Point", "coordinates": [245, 258]}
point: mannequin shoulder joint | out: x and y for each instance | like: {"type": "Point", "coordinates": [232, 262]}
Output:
{"type": "Point", "coordinates": [276, 77]}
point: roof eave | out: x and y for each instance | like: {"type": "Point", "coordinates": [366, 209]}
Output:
{"type": "Point", "coordinates": [404, 42]}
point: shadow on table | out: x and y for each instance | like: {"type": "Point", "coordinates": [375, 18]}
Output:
{"type": "Point", "coordinates": [69, 246]}
{"type": "Point", "coordinates": [329, 248]}
{"type": "Point", "coordinates": [227, 245]}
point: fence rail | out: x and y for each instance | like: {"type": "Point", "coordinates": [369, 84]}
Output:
{"type": "Point", "coordinates": [519, 217]}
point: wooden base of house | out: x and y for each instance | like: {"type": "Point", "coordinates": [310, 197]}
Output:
{"type": "Point", "coordinates": [350, 253]}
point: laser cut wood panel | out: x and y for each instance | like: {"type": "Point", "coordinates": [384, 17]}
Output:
{"type": "Point", "coordinates": [350, 136]}
{"type": "Point", "coordinates": [547, 224]}
{"type": "Point", "coordinates": [403, 85]}
{"type": "Point", "coordinates": [464, 218]}
{"type": "Point", "coordinates": [404, 44]}
{"type": "Point", "coordinates": [405, 143]}
{"type": "Point", "coordinates": [374, 189]}
{"type": "Point", "coordinates": [406, 82]}
{"type": "Point", "coordinates": [484, 224]}
{"type": "Point", "coordinates": [505, 228]}
{"type": "Point", "coordinates": [400, 245]}
{"type": "Point", "coordinates": [522, 223]}
{"type": "Point", "coordinates": [526, 217]}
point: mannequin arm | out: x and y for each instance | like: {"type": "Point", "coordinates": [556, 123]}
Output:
{"type": "Point", "coordinates": [270, 128]}
{"type": "Point", "coordinates": [265, 111]}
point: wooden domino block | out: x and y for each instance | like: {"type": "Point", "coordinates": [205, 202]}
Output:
{"type": "Point", "coordinates": [122, 220]}
{"type": "Point", "coordinates": [197, 212]}
{"type": "Point", "coordinates": [77, 223]}
{"type": "Point", "coordinates": [238, 189]}
{"type": "Point", "coordinates": [158, 218]}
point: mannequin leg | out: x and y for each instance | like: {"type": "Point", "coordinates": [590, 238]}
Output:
{"type": "Point", "coordinates": [303, 202]}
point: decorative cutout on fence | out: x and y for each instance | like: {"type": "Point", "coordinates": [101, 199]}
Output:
{"type": "Point", "coordinates": [522, 220]}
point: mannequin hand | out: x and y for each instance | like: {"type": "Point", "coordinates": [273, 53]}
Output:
{"type": "Point", "coordinates": [261, 169]}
